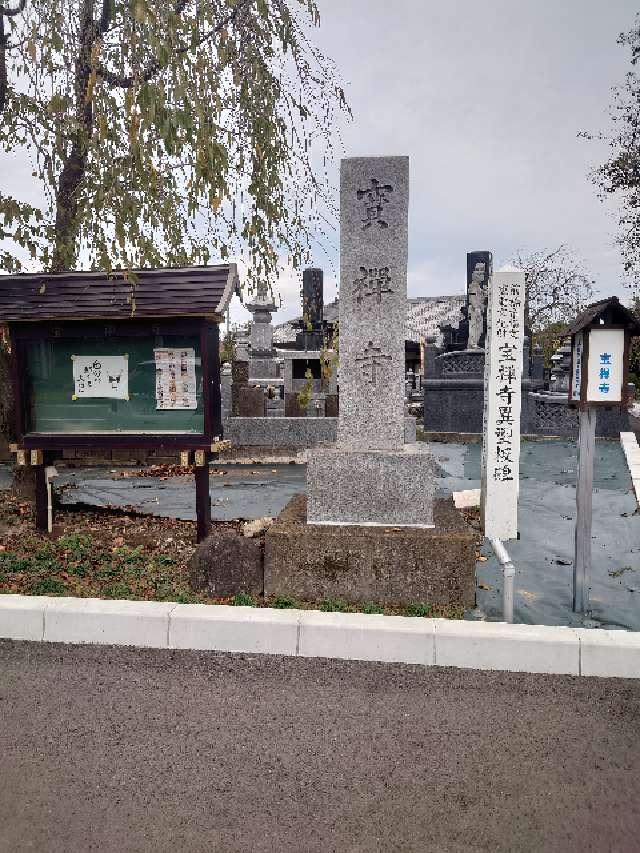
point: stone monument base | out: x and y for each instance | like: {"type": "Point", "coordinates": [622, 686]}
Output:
{"type": "Point", "coordinates": [371, 487]}
{"type": "Point", "coordinates": [386, 565]}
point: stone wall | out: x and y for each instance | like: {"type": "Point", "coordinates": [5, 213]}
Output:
{"type": "Point", "coordinates": [548, 414]}
{"type": "Point", "coordinates": [291, 432]}
{"type": "Point", "coordinates": [456, 407]}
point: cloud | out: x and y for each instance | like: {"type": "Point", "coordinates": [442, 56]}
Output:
{"type": "Point", "coordinates": [487, 99]}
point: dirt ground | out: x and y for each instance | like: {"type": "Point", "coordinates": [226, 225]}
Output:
{"type": "Point", "coordinates": [98, 554]}
{"type": "Point", "coordinates": [120, 555]}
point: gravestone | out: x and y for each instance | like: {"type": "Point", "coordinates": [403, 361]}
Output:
{"type": "Point", "coordinates": [312, 334]}
{"type": "Point", "coordinates": [331, 405]}
{"type": "Point", "coordinates": [251, 402]}
{"type": "Point", "coordinates": [239, 379]}
{"type": "Point", "coordinates": [371, 476]}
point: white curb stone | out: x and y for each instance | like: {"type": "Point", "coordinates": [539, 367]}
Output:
{"type": "Point", "coordinates": [631, 449]}
{"type": "Point", "coordinates": [310, 633]}
{"type": "Point", "coordinates": [234, 629]}
{"type": "Point", "coordinates": [117, 623]}
{"type": "Point", "coordinates": [22, 616]}
{"type": "Point", "coordinates": [516, 648]}
{"type": "Point", "coordinates": [356, 636]}
{"type": "Point", "coordinates": [609, 653]}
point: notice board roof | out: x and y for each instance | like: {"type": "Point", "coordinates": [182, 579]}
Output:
{"type": "Point", "coordinates": [180, 292]}
{"type": "Point", "coordinates": [611, 311]}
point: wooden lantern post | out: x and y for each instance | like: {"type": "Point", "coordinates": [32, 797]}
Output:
{"type": "Point", "coordinates": [600, 340]}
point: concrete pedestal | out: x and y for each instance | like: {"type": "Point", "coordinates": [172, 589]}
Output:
{"type": "Point", "coordinates": [388, 565]}
{"type": "Point", "coordinates": [372, 487]}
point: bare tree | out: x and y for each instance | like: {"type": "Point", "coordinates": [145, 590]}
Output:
{"type": "Point", "coordinates": [556, 287]}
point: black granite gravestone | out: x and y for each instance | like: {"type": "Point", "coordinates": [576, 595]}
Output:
{"type": "Point", "coordinates": [311, 335]}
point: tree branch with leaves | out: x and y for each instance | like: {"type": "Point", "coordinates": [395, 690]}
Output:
{"type": "Point", "coordinates": [168, 133]}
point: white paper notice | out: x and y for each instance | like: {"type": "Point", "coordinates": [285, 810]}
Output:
{"type": "Point", "coordinates": [175, 379]}
{"type": "Point", "coordinates": [101, 376]}
{"type": "Point", "coordinates": [606, 365]}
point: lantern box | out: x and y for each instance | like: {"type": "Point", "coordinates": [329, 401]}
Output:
{"type": "Point", "coordinates": [600, 340]}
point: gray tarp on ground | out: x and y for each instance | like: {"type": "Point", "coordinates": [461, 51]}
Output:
{"type": "Point", "coordinates": [543, 555]}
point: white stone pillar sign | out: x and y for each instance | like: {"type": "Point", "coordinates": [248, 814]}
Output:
{"type": "Point", "coordinates": [502, 404]}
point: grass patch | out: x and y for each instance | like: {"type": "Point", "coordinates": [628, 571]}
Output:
{"type": "Point", "coordinates": [76, 545]}
{"type": "Point", "coordinates": [371, 608]}
{"type": "Point", "coordinates": [118, 590]}
{"type": "Point", "coordinates": [12, 563]}
{"type": "Point", "coordinates": [187, 597]}
{"type": "Point", "coordinates": [333, 605]}
{"type": "Point", "coordinates": [284, 602]}
{"type": "Point", "coordinates": [418, 608]}
{"type": "Point", "coordinates": [80, 570]}
{"type": "Point", "coordinates": [129, 556]}
{"type": "Point", "coordinates": [49, 586]}
{"type": "Point", "coordinates": [243, 599]}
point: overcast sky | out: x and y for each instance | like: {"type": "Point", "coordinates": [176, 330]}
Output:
{"type": "Point", "coordinates": [487, 99]}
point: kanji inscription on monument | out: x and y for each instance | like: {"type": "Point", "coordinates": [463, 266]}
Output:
{"type": "Point", "coordinates": [375, 282]}
{"type": "Point", "coordinates": [374, 204]}
{"type": "Point", "coordinates": [502, 392]}
{"type": "Point", "coordinates": [373, 361]}
{"type": "Point", "coordinates": [375, 197]}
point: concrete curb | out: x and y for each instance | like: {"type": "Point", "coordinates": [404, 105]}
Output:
{"type": "Point", "coordinates": [311, 633]}
{"type": "Point", "coordinates": [631, 449]}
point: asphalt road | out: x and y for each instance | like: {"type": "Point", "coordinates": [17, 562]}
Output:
{"type": "Point", "coordinates": [134, 750]}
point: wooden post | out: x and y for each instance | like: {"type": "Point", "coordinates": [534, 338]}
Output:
{"type": "Point", "coordinates": [584, 497]}
{"type": "Point", "coordinates": [42, 498]}
{"type": "Point", "coordinates": [203, 497]}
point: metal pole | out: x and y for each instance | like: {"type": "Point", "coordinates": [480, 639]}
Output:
{"type": "Point", "coordinates": [584, 498]}
{"type": "Point", "coordinates": [508, 574]}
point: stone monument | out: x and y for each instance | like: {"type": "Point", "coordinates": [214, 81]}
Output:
{"type": "Point", "coordinates": [262, 360]}
{"type": "Point", "coordinates": [371, 477]}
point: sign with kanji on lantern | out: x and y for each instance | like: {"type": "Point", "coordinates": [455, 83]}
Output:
{"type": "Point", "coordinates": [599, 355]}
